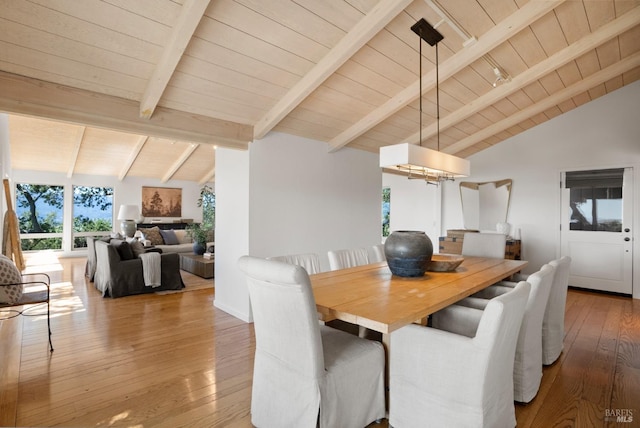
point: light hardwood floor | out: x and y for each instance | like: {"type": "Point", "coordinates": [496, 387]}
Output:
{"type": "Point", "coordinates": [174, 360]}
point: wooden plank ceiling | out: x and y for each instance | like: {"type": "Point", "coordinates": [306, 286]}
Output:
{"type": "Point", "coordinates": [146, 87]}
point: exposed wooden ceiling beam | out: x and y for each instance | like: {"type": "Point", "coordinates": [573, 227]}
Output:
{"type": "Point", "coordinates": [179, 162]}
{"type": "Point", "coordinates": [132, 157]}
{"type": "Point", "coordinates": [208, 177]}
{"type": "Point", "coordinates": [505, 29]}
{"type": "Point", "coordinates": [34, 97]}
{"type": "Point", "coordinates": [558, 97]}
{"type": "Point", "coordinates": [555, 61]}
{"type": "Point", "coordinates": [190, 15]}
{"type": "Point", "coordinates": [76, 150]}
{"type": "Point", "coordinates": [362, 32]}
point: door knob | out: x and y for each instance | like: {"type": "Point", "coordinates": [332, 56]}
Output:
{"type": "Point", "coordinates": [627, 239]}
{"type": "Point", "coordinates": [626, 229]}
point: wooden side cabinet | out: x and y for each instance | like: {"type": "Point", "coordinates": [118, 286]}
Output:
{"type": "Point", "coordinates": [453, 245]}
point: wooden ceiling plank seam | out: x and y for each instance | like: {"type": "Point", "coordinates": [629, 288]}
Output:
{"type": "Point", "coordinates": [33, 97]}
{"type": "Point", "coordinates": [42, 42]}
{"type": "Point", "coordinates": [489, 41]}
{"type": "Point", "coordinates": [298, 19]}
{"type": "Point", "coordinates": [215, 55]}
{"type": "Point", "coordinates": [179, 162]}
{"type": "Point", "coordinates": [162, 12]}
{"type": "Point", "coordinates": [222, 92]}
{"type": "Point", "coordinates": [355, 39]}
{"type": "Point", "coordinates": [595, 82]}
{"type": "Point", "coordinates": [76, 150]}
{"type": "Point", "coordinates": [85, 75]}
{"type": "Point", "coordinates": [213, 74]}
{"type": "Point", "coordinates": [573, 20]}
{"type": "Point", "coordinates": [96, 36]}
{"type": "Point", "coordinates": [105, 15]}
{"type": "Point", "coordinates": [188, 20]}
{"type": "Point", "coordinates": [244, 44]}
{"type": "Point", "coordinates": [132, 157]}
{"type": "Point", "coordinates": [272, 32]}
{"type": "Point", "coordinates": [534, 74]}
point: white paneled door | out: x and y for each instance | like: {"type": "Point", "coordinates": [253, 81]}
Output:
{"type": "Point", "coordinates": [596, 228]}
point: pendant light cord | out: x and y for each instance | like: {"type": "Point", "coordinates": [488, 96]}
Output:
{"type": "Point", "coordinates": [437, 100]}
{"type": "Point", "coordinates": [437, 94]}
{"type": "Point", "coordinates": [420, 77]}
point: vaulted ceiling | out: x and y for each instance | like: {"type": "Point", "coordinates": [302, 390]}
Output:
{"type": "Point", "coordinates": [146, 87]}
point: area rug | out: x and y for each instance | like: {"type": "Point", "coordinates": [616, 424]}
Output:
{"type": "Point", "coordinates": [189, 287]}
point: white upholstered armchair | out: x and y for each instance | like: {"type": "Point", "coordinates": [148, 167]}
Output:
{"type": "Point", "coordinates": [442, 379]}
{"type": "Point", "coordinates": [527, 369]}
{"type": "Point", "coordinates": [553, 322]}
{"type": "Point", "coordinates": [306, 374]}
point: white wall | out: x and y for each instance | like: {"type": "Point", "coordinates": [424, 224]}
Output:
{"type": "Point", "coordinates": [232, 231]}
{"type": "Point", "coordinates": [298, 199]}
{"type": "Point", "coordinates": [414, 205]}
{"type": "Point", "coordinates": [604, 133]}
{"type": "Point", "coordinates": [304, 199]}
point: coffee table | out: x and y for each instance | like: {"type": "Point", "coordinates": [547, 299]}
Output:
{"type": "Point", "coordinates": [197, 265]}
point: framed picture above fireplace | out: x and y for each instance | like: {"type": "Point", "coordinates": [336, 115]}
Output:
{"type": "Point", "coordinates": [161, 202]}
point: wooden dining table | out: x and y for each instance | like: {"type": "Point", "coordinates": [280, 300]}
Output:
{"type": "Point", "coordinates": [370, 296]}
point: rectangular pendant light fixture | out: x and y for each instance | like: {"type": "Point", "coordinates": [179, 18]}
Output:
{"type": "Point", "coordinates": [414, 160]}
{"type": "Point", "coordinates": [418, 162]}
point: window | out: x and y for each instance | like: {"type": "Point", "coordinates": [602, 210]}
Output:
{"type": "Point", "coordinates": [92, 213]}
{"type": "Point", "coordinates": [386, 206]}
{"type": "Point", "coordinates": [595, 200]}
{"type": "Point", "coordinates": [207, 201]}
{"type": "Point", "coordinates": [40, 210]}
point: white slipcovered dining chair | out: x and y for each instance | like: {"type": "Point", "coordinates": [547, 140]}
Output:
{"type": "Point", "coordinates": [378, 253]}
{"type": "Point", "coordinates": [442, 379]}
{"type": "Point", "coordinates": [553, 323]}
{"type": "Point", "coordinates": [310, 261]}
{"type": "Point", "coordinates": [342, 259]}
{"type": "Point", "coordinates": [527, 369]}
{"type": "Point", "coordinates": [484, 245]}
{"type": "Point", "coordinates": [305, 374]}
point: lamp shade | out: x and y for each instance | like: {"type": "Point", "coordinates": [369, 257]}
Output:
{"type": "Point", "coordinates": [413, 159]}
{"type": "Point", "coordinates": [128, 212]}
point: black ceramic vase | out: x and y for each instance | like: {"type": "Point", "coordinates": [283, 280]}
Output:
{"type": "Point", "coordinates": [199, 249]}
{"type": "Point", "coordinates": [408, 252]}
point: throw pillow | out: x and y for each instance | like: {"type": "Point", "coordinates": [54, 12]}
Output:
{"type": "Point", "coordinates": [183, 237]}
{"type": "Point", "coordinates": [125, 251]}
{"type": "Point", "coordinates": [137, 248]}
{"type": "Point", "coordinates": [169, 237]}
{"type": "Point", "coordinates": [9, 274]}
{"type": "Point", "coordinates": [153, 235]}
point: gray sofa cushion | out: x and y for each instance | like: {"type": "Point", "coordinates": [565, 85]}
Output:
{"type": "Point", "coordinates": [169, 237]}
{"type": "Point", "coordinates": [137, 248]}
{"type": "Point", "coordinates": [125, 251]}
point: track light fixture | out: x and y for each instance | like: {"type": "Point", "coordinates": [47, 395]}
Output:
{"type": "Point", "coordinates": [500, 77]}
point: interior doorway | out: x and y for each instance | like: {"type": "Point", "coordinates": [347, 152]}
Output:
{"type": "Point", "coordinates": [596, 228]}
